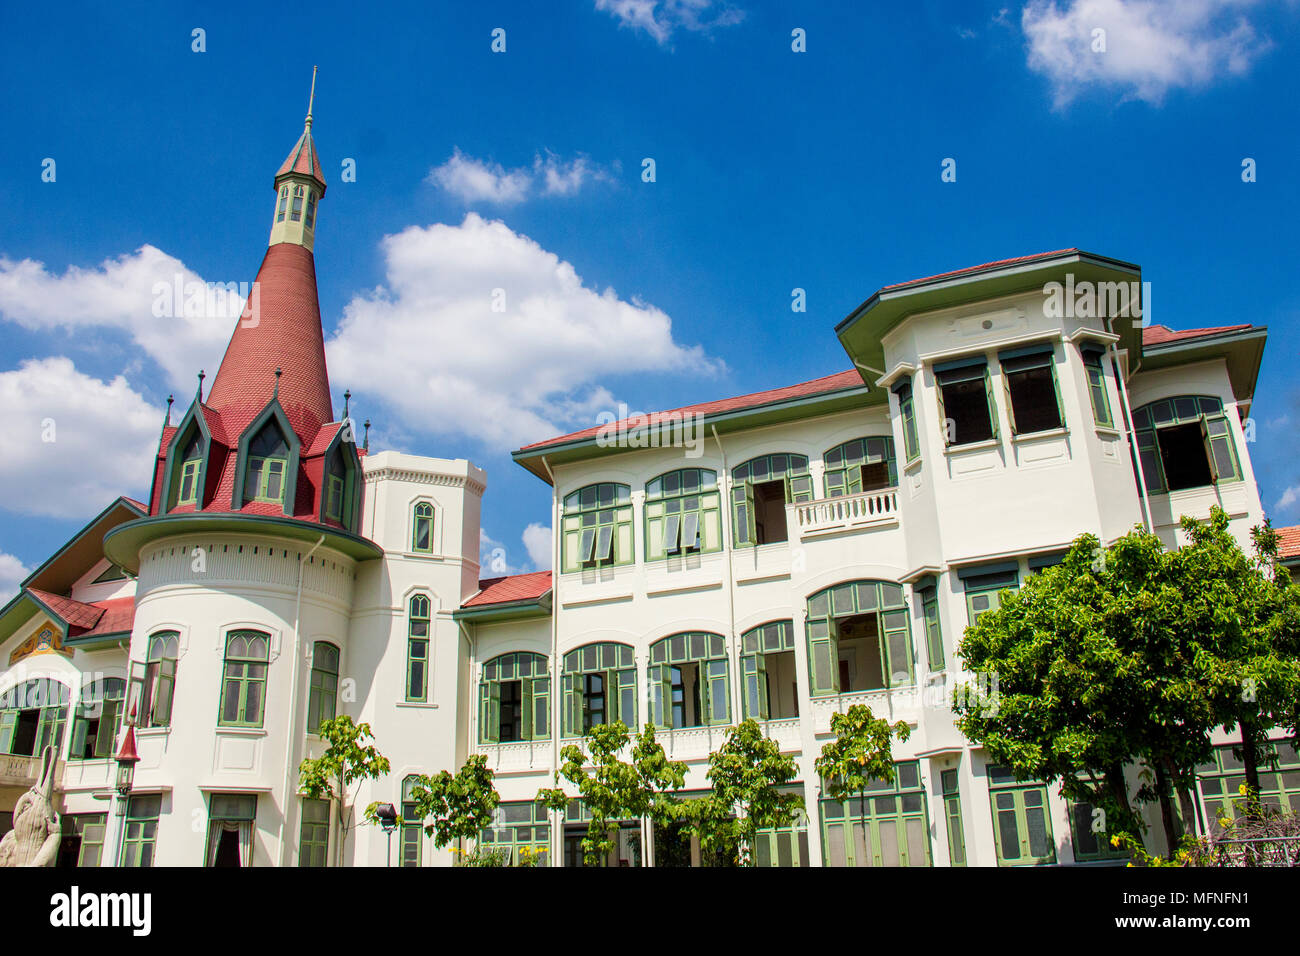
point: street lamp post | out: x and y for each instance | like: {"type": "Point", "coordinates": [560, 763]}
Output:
{"type": "Point", "coordinates": [126, 759]}
{"type": "Point", "coordinates": [387, 815]}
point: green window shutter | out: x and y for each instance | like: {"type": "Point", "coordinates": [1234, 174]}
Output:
{"type": "Point", "coordinates": [933, 631]}
{"type": "Point", "coordinates": [753, 672]}
{"type": "Point", "coordinates": [654, 530]}
{"type": "Point", "coordinates": [572, 536]}
{"type": "Point", "coordinates": [896, 647]}
{"type": "Point", "coordinates": [626, 696]}
{"type": "Point", "coordinates": [8, 720]}
{"type": "Point", "coordinates": [1097, 392]}
{"type": "Point", "coordinates": [539, 690]}
{"type": "Point", "coordinates": [823, 658]}
{"type": "Point", "coordinates": [659, 693]}
{"type": "Point", "coordinates": [106, 736]}
{"type": "Point", "coordinates": [1056, 391]}
{"type": "Point", "coordinates": [1149, 454]}
{"type": "Point", "coordinates": [162, 700]}
{"type": "Point", "coordinates": [490, 719]}
{"type": "Point", "coordinates": [719, 693]}
{"type": "Point", "coordinates": [623, 553]}
{"type": "Point", "coordinates": [571, 688]}
{"type": "Point", "coordinates": [80, 726]}
{"type": "Point", "coordinates": [1224, 465]}
{"type": "Point", "coordinates": [800, 489]}
{"type": "Point", "coordinates": [993, 406]}
{"type": "Point", "coordinates": [1006, 394]}
{"type": "Point", "coordinates": [742, 496]}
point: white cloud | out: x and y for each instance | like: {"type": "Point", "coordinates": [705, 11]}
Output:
{"type": "Point", "coordinates": [660, 18]}
{"type": "Point", "coordinates": [1151, 46]}
{"type": "Point", "coordinates": [492, 558]}
{"type": "Point", "coordinates": [72, 442]}
{"type": "Point", "coordinates": [1289, 497]}
{"type": "Point", "coordinates": [537, 542]}
{"type": "Point", "coordinates": [12, 572]}
{"type": "Point", "coordinates": [128, 294]}
{"type": "Point", "coordinates": [477, 180]}
{"type": "Point", "coordinates": [429, 344]}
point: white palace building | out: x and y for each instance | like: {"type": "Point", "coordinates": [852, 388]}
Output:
{"type": "Point", "coordinates": [810, 548]}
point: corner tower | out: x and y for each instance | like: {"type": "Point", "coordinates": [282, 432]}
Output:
{"type": "Point", "coordinates": [299, 187]}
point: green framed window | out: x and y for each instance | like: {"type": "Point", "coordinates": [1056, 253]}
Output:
{"type": "Point", "coordinates": [596, 527]}
{"type": "Point", "coordinates": [422, 528]}
{"type": "Point", "coordinates": [32, 717]}
{"type": "Point", "coordinates": [334, 497]}
{"type": "Point", "coordinates": [140, 830]}
{"type": "Point", "coordinates": [1033, 396]}
{"type": "Point", "coordinates": [760, 490]}
{"type": "Point", "coordinates": [514, 698]}
{"type": "Point", "coordinates": [411, 835]}
{"type": "Point", "coordinates": [1022, 825]}
{"type": "Point", "coordinates": [284, 202]}
{"type": "Point", "coordinates": [189, 490]}
{"type": "Point", "coordinates": [952, 818]}
{"type": "Point", "coordinates": [310, 221]}
{"type": "Point", "coordinates": [243, 681]}
{"type": "Point", "coordinates": [598, 686]}
{"type": "Point", "coordinates": [1279, 779]}
{"type": "Point", "coordinates": [1095, 373]}
{"type": "Point", "coordinates": [231, 824]}
{"type": "Point", "coordinates": [907, 415]}
{"type": "Point", "coordinates": [889, 826]}
{"type": "Point", "coordinates": [863, 464]}
{"type": "Point", "coordinates": [322, 695]}
{"type": "Point", "coordinates": [516, 827]}
{"type": "Point", "coordinates": [929, 597]}
{"type": "Point", "coordinates": [97, 720]}
{"type": "Point", "coordinates": [689, 683]}
{"type": "Point", "coordinates": [88, 830]}
{"type": "Point", "coordinates": [967, 412]}
{"type": "Point", "coordinates": [295, 211]}
{"type": "Point", "coordinates": [266, 473]}
{"type": "Point", "coordinates": [783, 846]}
{"type": "Point", "coordinates": [768, 679]}
{"type": "Point", "coordinates": [314, 833]}
{"type": "Point", "coordinates": [1090, 844]}
{"type": "Point", "coordinates": [859, 638]}
{"type": "Point", "coordinates": [683, 514]}
{"type": "Point", "coordinates": [985, 587]}
{"type": "Point", "coordinates": [1185, 442]}
{"type": "Point", "coordinates": [417, 648]}
{"type": "Point", "coordinates": [153, 682]}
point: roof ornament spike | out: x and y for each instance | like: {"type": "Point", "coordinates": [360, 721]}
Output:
{"type": "Point", "coordinates": [199, 395]}
{"type": "Point", "coordinates": [311, 100]}
{"type": "Point", "coordinates": [276, 393]}
{"type": "Point", "coordinates": [170, 399]}
{"type": "Point", "coordinates": [366, 446]}
{"type": "Point", "coordinates": [347, 399]}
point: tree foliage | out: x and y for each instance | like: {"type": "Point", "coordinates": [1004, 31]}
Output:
{"type": "Point", "coordinates": [456, 806]}
{"type": "Point", "coordinates": [861, 752]}
{"type": "Point", "coordinates": [348, 759]}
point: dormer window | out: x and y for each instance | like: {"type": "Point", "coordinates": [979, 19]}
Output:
{"type": "Point", "coordinates": [284, 201]}
{"type": "Point", "coordinates": [295, 212]}
{"type": "Point", "coordinates": [192, 461]}
{"type": "Point", "coordinates": [311, 209]}
{"type": "Point", "coordinates": [335, 484]}
{"type": "Point", "coordinates": [268, 463]}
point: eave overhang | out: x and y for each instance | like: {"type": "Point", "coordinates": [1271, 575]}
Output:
{"type": "Point", "coordinates": [122, 545]}
{"type": "Point", "coordinates": [1242, 350]}
{"type": "Point", "coordinates": [522, 610]}
{"type": "Point", "coordinates": [861, 331]}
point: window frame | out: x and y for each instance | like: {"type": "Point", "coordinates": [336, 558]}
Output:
{"type": "Point", "coordinates": [422, 513]}
{"type": "Point", "coordinates": [615, 664]}
{"type": "Point", "coordinates": [597, 518]}
{"type": "Point", "coordinates": [140, 830]}
{"type": "Point", "coordinates": [883, 804]}
{"type": "Point", "coordinates": [534, 696]}
{"type": "Point", "coordinates": [249, 675]}
{"type": "Point", "coordinates": [845, 599]}
{"type": "Point", "coordinates": [958, 372]}
{"type": "Point", "coordinates": [1002, 783]}
{"type": "Point", "coordinates": [1209, 413]}
{"type": "Point", "coordinates": [907, 415]}
{"type": "Point", "coordinates": [708, 651]}
{"type": "Point", "coordinates": [795, 477]}
{"type": "Point", "coordinates": [313, 834]}
{"type": "Point", "coordinates": [1013, 362]}
{"type": "Point", "coordinates": [323, 684]}
{"type": "Point", "coordinates": [416, 641]}
{"type": "Point", "coordinates": [105, 741]}
{"type": "Point", "coordinates": [661, 507]}
{"type": "Point", "coordinates": [842, 473]}
{"type": "Point", "coordinates": [770, 637]}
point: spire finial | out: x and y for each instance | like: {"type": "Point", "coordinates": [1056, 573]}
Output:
{"type": "Point", "coordinates": [277, 382]}
{"type": "Point", "coordinates": [366, 445]}
{"type": "Point", "coordinates": [170, 399]}
{"type": "Point", "coordinates": [311, 100]}
{"type": "Point", "coordinates": [199, 395]}
{"type": "Point", "coordinates": [347, 398]}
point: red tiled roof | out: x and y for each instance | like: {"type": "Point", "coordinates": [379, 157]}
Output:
{"type": "Point", "coordinates": [1160, 334]}
{"type": "Point", "coordinates": [304, 159]}
{"type": "Point", "coordinates": [819, 386]}
{"type": "Point", "coordinates": [74, 613]}
{"type": "Point", "coordinates": [980, 268]}
{"type": "Point", "coordinates": [1288, 545]}
{"type": "Point", "coordinates": [507, 590]}
{"type": "Point", "coordinates": [118, 616]}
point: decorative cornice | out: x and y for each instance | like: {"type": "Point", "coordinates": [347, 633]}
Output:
{"type": "Point", "coordinates": [424, 478]}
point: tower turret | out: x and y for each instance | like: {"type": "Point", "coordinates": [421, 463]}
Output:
{"type": "Point", "coordinates": [299, 187]}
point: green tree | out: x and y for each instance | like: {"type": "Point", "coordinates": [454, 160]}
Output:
{"type": "Point", "coordinates": [614, 789]}
{"type": "Point", "coordinates": [861, 752]}
{"type": "Point", "coordinates": [348, 759]}
{"type": "Point", "coordinates": [747, 773]}
{"type": "Point", "coordinates": [456, 806]}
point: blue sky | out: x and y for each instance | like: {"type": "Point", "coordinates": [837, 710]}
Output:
{"type": "Point", "coordinates": [521, 170]}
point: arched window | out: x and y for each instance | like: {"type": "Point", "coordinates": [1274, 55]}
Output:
{"type": "Point", "coordinates": [98, 717]}
{"type": "Point", "coordinates": [864, 464]}
{"type": "Point", "coordinates": [1185, 442]}
{"type": "Point", "coordinates": [268, 464]}
{"type": "Point", "coordinates": [295, 211]}
{"type": "Point", "coordinates": [335, 485]}
{"type": "Point", "coordinates": [412, 836]}
{"type": "Point", "coordinates": [284, 201]}
{"type": "Point", "coordinates": [310, 221]}
{"type": "Point", "coordinates": [598, 687]}
{"type": "Point", "coordinates": [767, 671]}
{"type": "Point", "coordinates": [151, 692]}
{"type": "Point", "coordinates": [422, 528]}
{"type": "Point", "coordinates": [32, 716]}
{"type": "Point", "coordinates": [417, 649]}
{"type": "Point", "coordinates": [322, 698]}
{"type": "Point", "coordinates": [191, 464]}
{"type": "Point", "coordinates": [760, 490]}
{"type": "Point", "coordinates": [243, 682]}
{"type": "Point", "coordinates": [514, 698]}
{"type": "Point", "coordinates": [682, 514]}
{"type": "Point", "coordinates": [597, 527]}
{"type": "Point", "coordinates": [688, 681]}
{"type": "Point", "coordinates": [859, 638]}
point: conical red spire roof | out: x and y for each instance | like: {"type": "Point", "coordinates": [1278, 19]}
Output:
{"type": "Point", "coordinates": [281, 328]}
{"type": "Point", "coordinates": [304, 159]}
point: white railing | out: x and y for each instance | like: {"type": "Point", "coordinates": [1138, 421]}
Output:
{"type": "Point", "coordinates": [900, 703]}
{"type": "Point", "coordinates": [866, 509]}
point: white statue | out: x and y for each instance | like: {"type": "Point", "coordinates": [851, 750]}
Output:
{"type": "Point", "coordinates": [34, 840]}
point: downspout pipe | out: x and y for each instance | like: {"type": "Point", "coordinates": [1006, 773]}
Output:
{"type": "Point", "coordinates": [557, 831]}
{"type": "Point", "coordinates": [293, 716]}
{"type": "Point", "coordinates": [1129, 432]}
